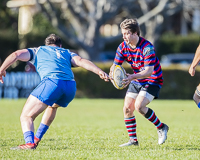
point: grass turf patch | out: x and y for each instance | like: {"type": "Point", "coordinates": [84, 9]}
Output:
{"type": "Point", "coordinates": [94, 129]}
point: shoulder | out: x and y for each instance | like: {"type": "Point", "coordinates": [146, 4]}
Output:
{"type": "Point", "coordinates": [122, 46]}
{"type": "Point", "coordinates": [72, 54]}
{"type": "Point", "coordinates": [33, 52]}
{"type": "Point", "coordinates": [146, 46]}
{"type": "Point", "coordinates": [145, 43]}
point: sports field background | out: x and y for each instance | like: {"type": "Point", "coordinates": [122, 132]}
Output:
{"type": "Point", "coordinates": [94, 128]}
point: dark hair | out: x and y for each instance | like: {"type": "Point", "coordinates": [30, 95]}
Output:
{"type": "Point", "coordinates": [131, 25]}
{"type": "Point", "coordinates": [53, 39]}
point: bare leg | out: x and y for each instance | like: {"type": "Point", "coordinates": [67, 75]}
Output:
{"type": "Point", "coordinates": [47, 119]}
{"type": "Point", "coordinates": [140, 104]}
{"type": "Point", "coordinates": [129, 107]}
{"type": "Point", "coordinates": [196, 96]}
{"type": "Point", "coordinates": [49, 115]}
{"type": "Point", "coordinates": [31, 110]}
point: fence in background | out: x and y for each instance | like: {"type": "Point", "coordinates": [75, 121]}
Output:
{"type": "Point", "coordinates": [18, 84]}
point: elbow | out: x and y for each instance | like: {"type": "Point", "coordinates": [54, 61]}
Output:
{"type": "Point", "coordinates": [149, 73]}
{"type": "Point", "coordinates": [15, 56]}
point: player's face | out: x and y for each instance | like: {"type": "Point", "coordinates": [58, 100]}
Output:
{"type": "Point", "coordinates": [129, 37]}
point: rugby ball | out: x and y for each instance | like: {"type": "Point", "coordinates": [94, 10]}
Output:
{"type": "Point", "coordinates": [118, 74]}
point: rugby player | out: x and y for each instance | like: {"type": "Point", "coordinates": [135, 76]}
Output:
{"type": "Point", "coordinates": [56, 89]}
{"type": "Point", "coordinates": [144, 83]}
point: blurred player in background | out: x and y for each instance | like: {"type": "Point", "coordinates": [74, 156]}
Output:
{"type": "Point", "coordinates": [145, 83]}
{"type": "Point", "coordinates": [192, 68]}
{"type": "Point", "coordinates": [57, 87]}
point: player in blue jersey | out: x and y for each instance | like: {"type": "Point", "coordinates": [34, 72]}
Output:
{"type": "Point", "coordinates": [57, 88]}
{"type": "Point", "coordinates": [195, 62]}
{"type": "Point", "coordinates": [144, 83]}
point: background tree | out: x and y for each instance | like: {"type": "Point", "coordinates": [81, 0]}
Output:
{"type": "Point", "coordinates": [82, 23]}
{"type": "Point", "coordinates": [79, 22]}
{"type": "Point", "coordinates": [8, 27]}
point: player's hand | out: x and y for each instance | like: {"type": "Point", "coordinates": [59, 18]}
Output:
{"type": "Point", "coordinates": [192, 71]}
{"type": "Point", "coordinates": [2, 73]}
{"type": "Point", "coordinates": [127, 80]}
{"type": "Point", "coordinates": [110, 75]}
{"type": "Point", "coordinates": [104, 76]}
{"type": "Point", "coordinates": [111, 72]}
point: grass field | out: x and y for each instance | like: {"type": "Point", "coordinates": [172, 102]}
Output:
{"type": "Point", "coordinates": [93, 129]}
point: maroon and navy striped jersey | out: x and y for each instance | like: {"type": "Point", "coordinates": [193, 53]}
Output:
{"type": "Point", "coordinates": [141, 56]}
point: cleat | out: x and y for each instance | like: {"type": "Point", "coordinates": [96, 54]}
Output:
{"type": "Point", "coordinates": [162, 134]}
{"type": "Point", "coordinates": [129, 143]}
{"type": "Point", "coordinates": [28, 146]}
{"type": "Point", "coordinates": [36, 141]}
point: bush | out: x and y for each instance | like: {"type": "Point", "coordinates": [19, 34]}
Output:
{"type": "Point", "coordinates": [177, 44]}
{"type": "Point", "coordinates": [178, 84]}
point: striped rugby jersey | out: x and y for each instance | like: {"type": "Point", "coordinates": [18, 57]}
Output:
{"type": "Point", "coordinates": [141, 56]}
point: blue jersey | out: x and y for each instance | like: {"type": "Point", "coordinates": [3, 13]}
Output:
{"type": "Point", "coordinates": [52, 62]}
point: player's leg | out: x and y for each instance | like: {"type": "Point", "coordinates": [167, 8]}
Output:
{"type": "Point", "coordinates": [68, 90]}
{"type": "Point", "coordinates": [142, 100]}
{"type": "Point", "coordinates": [129, 118]}
{"type": "Point", "coordinates": [45, 94]}
{"type": "Point", "coordinates": [47, 119]}
{"type": "Point", "coordinates": [32, 108]}
{"type": "Point", "coordinates": [140, 105]}
{"type": "Point", "coordinates": [196, 96]}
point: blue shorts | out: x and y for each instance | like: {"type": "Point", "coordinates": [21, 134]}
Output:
{"type": "Point", "coordinates": [51, 91]}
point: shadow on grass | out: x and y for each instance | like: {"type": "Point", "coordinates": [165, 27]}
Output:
{"type": "Point", "coordinates": [187, 147]}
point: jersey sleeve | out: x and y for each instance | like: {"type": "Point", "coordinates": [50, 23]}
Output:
{"type": "Point", "coordinates": [119, 58]}
{"type": "Point", "coordinates": [33, 53]}
{"type": "Point", "coordinates": [73, 54]}
{"type": "Point", "coordinates": [149, 56]}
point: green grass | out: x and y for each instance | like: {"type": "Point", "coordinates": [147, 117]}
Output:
{"type": "Point", "coordinates": [93, 129]}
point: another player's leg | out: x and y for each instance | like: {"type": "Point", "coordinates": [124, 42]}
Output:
{"type": "Point", "coordinates": [31, 110]}
{"type": "Point", "coordinates": [130, 121]}
{"type": "Point", "coordinates": [140, 105]}
{"type": "Point", "coordinates": [47, 119]}
{"type": "Point", "coordinates": [196, 96]}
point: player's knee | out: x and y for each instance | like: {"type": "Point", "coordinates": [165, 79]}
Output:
{"type": "Point", "coordinates": [24, 118]}
{"type": "Point", "coordinates": [127, 110]}
{"type": "Point", "coordinates": [139, 108]}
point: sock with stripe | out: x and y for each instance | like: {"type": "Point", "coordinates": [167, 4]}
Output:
{"type": "Point", "coordinates": [131, 127]}
{"type": "Point", "coordinates": [151, 116]}
{"type": "Point", "coordinates": [29, 137]}
{"type": "Point", "coordinates": [41, 130]}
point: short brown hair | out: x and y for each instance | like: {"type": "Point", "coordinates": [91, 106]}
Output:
{"type": "Point", "coordinates": [53, 39]}
{"type": "Point", "coordinates": [131, 25]}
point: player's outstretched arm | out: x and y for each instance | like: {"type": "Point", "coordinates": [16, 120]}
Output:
{"type": "Point", "coordinates": [22, 55]}
{"type": "Point", "coordinates": [84, 63]}
{"type": "Point", "coordinates": [195, 61]}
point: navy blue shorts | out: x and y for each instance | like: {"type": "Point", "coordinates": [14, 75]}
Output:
{"type": "Point", "coordinates": [151, 89]}
{"type": "Point", "coordinates": [51, 91]}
